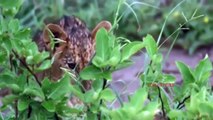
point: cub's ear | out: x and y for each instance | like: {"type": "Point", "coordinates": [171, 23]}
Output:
{"type": "Point", "coordinates": [57, 31]}
{"type": "Point", "coordinates": [105, 24]}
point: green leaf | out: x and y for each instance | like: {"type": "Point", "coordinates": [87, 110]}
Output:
{"type": "Point", "coordinates": [14, 25]}
{"type": "Point", "coordinates": [89, 96]}
{"type": "Point", "coordinates": [59, 89]}
{"type": "Point", "coordinates": [44, 65]}
{"type": "Point", "coordinates": [185, 72]}
{"type": "Point", "coordinates": [38, 112]}
{"type": "Point", "coordinates": [115, 56]}
{"type": "Point", "coordinates": [31, 48]}
{"type": "Point", "coordinates": [3, 54]}
{"type": "Point", "coordinates": [117, 115]}
{"type": "Point", "coordinates": [38, 58]}
{"type": "Point", "coordinates": [33, 89]}
{"type": "Point", "coordinates": [29, 59]}
{"type": "Point", "coordinates": [23, 103]}
{"type": "Point", "coordinates": [151, 45]}
{"type": "Point", "coordinates": [130, 49]}
{"type": "Point", "coordinates": [23, 34]}
{"type": "Point", "coordinates": [99, 62]}
{"type": "Point", "coordinates": [168, 79]}
{"type": "Point", "coordinates": [64, 110]}
{"type": "Point", "coordinates": [123, 64]}
{"type": "Point", "coordinates": [97, 85]}
{"type": "Point", "coordinates": [175, 114]}
{"type": "Point", "coordinates": [35, 92]}
{"type": "Point", "coordinates": [102, 44]}
{"type": "Point", "coordinates": [91, 116]}
{"type": "Point", "coordinates": [152, 107]}
{"type": "Point", "coordinates": [76, 90]}
{"type": "Point", "coordinates": [107, 94]}
{"type": "Point", "coordinates": [204, 67]}
{"type": "Point", "coordinates": [91, 73]}
{"type": "Point", "coordinates": [7, 80]}
{"type": "Point", "coordinates": [9, 99]}
{"type": "Point", "coordinates": [206, 108]}
{"type": "Point", "coordinates": [138, 99]}
{"type": "Point", "coordinates": [10, 3]}
{"type": "Point", "coordinates": [49, 105]}
{"type": "Point", "coordinates": [146, 115]}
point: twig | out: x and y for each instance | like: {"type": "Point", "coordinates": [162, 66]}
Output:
{"type": "Point", "coordinates": [181, 104]}
{"type": "Point", "coordinates": [27, 67]}
{"type": "Point", "coordinates": [16, 109]}
{"type": "Point", "coordinates": [159, 94]}
{"type": "Point", "coordinates": [56, 117]}
{"type": "Point", "coordinates": [103, 87]}
{"type": "Point", "coordinates": [29, 112]}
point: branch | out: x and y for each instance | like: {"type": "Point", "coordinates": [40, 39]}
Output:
{"type": "Point", "coordinates": [27, 67]}
{"type": "Point", "coordinates": [16, 109]}
{"type": "Point", "coordinates": [101, 102]}
{"type": "Point", "coordinates": [159, 94]}
{"type": "Point", "coordinates": [180, 105]}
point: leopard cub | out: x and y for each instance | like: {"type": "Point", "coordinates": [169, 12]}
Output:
{"type": "Point", "coordinates": [76, 46]}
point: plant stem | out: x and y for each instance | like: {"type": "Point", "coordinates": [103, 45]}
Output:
{"type": "Point", "coordinates": [16, 109]}
{"type": "Point", "coordinates": [56, 117]}
{"type": "Point", "coordinates": [27, 67]}
{"type": "Point", "coordinates": [180, 105]}
{"type": "Point", "coordinates": [29, 111]}
{"type": "Point", "coordinates": [159, 94]}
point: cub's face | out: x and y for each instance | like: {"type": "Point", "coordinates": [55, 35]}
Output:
{"type": "Point", "coordinates": [74, 46]}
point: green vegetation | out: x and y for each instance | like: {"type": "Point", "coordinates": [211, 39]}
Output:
{"type": "Point", "coordinates": [33, 99]}
{"type": "Point", "coordinates": [148, 17]}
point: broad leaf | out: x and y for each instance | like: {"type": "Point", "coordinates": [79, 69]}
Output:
{"type": "Point", "coordinates": [97, 85]}
{"type": "Point", "coordinates": [102, 44]}
{"type": "Point", "coordinates": [107, 94]}
{"type": "Point", "coordinates": [33, 89]}
{"type": "Point", "coordinates": [115, 56]}
{"type": "Point", "coordinates": [151, 45]}
{"type": "Point", "coordinates": [49, 105]}
{"type": "Point", "coordinates": [123, 64]}
{"type": "Point", "coordinates": [138, 99]}
{"type": "Point", "coordinates": [88, 96]}
{"type": "Point", "coordinates": [45, 65]}
{"type": "Point", "coordinates": [10, 3]}
{"type": "Point", "coordinates": [130, 49]}
{"type": "Point", "coordinates": [14, 25]}
{"type": "Point", "coordinates": [204, 67]}
{"type": "Point", "coordinates": [23, 103]}
{"type": "Point", "coordinates": [9, 99]}
{"type": "Point", "coordinates": [58, 90]}
{"type": "Point", "coordinates": [168, 79]}
{"type": "Point", "coordinates": [185, 72]}
{"type": "Point", "coordinates": [92, 73]}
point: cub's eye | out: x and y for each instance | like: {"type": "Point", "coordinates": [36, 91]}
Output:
{"type": "Point", "coordinates": [71, 65]}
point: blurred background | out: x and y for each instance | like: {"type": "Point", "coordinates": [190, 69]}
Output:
{"type": "Point", "coordinates": [139, 17]}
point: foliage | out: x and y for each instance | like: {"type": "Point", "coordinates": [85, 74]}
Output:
{"type": "Point", "coordinates": [193, 34]}
{"type": "Point", "coordinates": [147, 18]}
{"type": "Point", "coordinates": [34, 99]}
